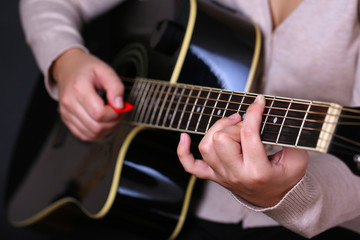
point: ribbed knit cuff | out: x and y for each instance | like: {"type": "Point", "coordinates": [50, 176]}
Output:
{"type": "Point", "coordinates": [47, 49]}
{"type": "Point", "coordinates": [292, 205]}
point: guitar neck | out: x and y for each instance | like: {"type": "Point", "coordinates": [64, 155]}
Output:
{"type": "Point", "coordinates": [180, 107]}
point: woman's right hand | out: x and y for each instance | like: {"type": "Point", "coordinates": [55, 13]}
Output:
{"type": "Point", "coordinates": [79, 77]}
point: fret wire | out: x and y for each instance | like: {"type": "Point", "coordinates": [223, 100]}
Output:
{"type": "Point", "coordinates": [227, 105]}
{"type": "Point", "coordinates": [280, 108]}
{"type": "Point", "coordinates": [272, 108]}
{"type": "Point", "coordinates": [212, 112]}
{"type": "Point", "coordinates": [271, 115]}
{"type": "Point", "coordinates": [132, 97]}
{"type": "Point", "coordinates": [241, 104]}
{"type": "Point", "coordinates": [177, 106]}
{"type": "Point", "coordinates": [280, 99]}
{"type": "Point", "coordinates": [272, 124]}
{"type": "Point", "coordinates": [146, 102]}
{"type": "Point", "coordinates": [202, 112]}
{"type": "Point", "coordinates": [139, 102]}
{"type": "Point", "coordinates": [302, 102]}
{"type": "Point", "coordinates": [158, 100]}
{"type": "Point", "coordinates": [169, 107]}
{"type": "Point", "coordinates": [267, 116]}
{"type": "Point", "coordinates": [163, 104]}
{"type": "Point", "coordinates": [302, 125]}
{"type": "Point", "coordinates": [282, 123]}
{"type": "Point", "coordinates": [152, 103]}
{"type": "Point", "coordinates": [236, 93]}
{"type": "Point", "coordinates": [192, 110]}
{"type": "Point", "coordinates": [182, 113]}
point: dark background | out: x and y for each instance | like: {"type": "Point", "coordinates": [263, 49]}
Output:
{"type": "Point", "coordinates": [19, 74]}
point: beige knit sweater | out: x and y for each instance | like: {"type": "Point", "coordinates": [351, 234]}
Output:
{"type": "Point", "coordinates": [313, 54]}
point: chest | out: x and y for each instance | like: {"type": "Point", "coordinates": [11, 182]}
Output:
{"type": "Point", "coordinates": [281, 9]}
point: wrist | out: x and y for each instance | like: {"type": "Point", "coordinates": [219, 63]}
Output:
{"type": "Point", "coordinates": [60, 64]}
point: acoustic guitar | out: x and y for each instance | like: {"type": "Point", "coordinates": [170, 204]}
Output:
{"type": "Point", "coordinates": [176, 73]}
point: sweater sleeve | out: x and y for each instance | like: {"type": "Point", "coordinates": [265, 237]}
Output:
{"type": "Point", "coordinates": [51, 27]}
{"type": "Point", "coordinates": [327, 196]}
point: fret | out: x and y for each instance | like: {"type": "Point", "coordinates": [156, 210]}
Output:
{"type": "Point", "coordinates": [192, 120]}
{"type": "Point", "coordinates": [177, 114]}
{"type": "Point", "coordinates": [146, 100]}
{"type": "Point", "coordinates": [293, 121]}
{"type": "Point", "coordinates": [285, 121]}
{"type": "Point", "coordinates": [227, 111]}
{"type": "Point", "coordinates": [275, 120]}
{"type": "Point", "coordinates": [153, 102]}
{"type": "Point", "coordinates": [241, 103]}
{"type": "Point", "coordinates": [282, 124]}
{"type": "Point", "coordinates": [302, 124]}
{"type": "Point", "coordinates": [164, 103]}
{"type": "Point", "coordinates": [248, 99]}
{"type": "Point", "coordinates": [212, 112]}
{"type": "Point", "coordinates": [131, 98]}
{"type": "Point", "coordinates": [160, 101]}
{"type": "Point", "coordinates": [138, 103]}
{"type": "Point", "coordinates": [202, 102]}
{"type": "Point", "coordinates": [186, 110]}
{"type": "Point", "coordinates": [220, 108]}
{"type": "Point", "coordinates": [234, 104]}
{"type": "Point", "coordinates": [312, 126]}
{"type": "Point", "coordinates": [170, 107]}
{"type": "Point", "coordinates": [266, 115]}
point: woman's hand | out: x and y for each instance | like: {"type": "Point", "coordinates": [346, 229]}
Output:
{"type": "Point", "coordinates": [80, 76]}
{"type": "Point", "coordinates": [234, 156]}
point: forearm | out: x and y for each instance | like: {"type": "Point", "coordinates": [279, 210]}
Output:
{"type": "Point", "coordinates": [52, 27]}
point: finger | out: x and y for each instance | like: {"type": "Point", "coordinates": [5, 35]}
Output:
{"type": "Point", "coordinates": [193, 166]}
{"type": "Point", "coordinates": [206, 142]}
{"type": "Point", "coordinates": [295, 161]}
{"type": "Point", "coordinates": [83, 126]}
{"type": "Point", "coordinates": [94, 105]}
{"type": "Point", "coordinates": [228, 147]}
{"type": "Point", "coordinates": [252, 147]}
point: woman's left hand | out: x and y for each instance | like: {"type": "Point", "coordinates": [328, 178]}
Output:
{"type": "Point", "coordinates": [235, 157]}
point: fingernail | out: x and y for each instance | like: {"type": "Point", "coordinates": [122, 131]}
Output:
{"type": "Point", "coordinates": [260, 98]}
{"type": "Point", "coordinates": [119, 104]}
{"type": "Point", "coordinates": [182, 140]}
{"type": "Point", "coordinates": [234, 116]}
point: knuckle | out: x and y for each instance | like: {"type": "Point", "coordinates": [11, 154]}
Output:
{"type": "Point", "coordinates": [220, 137]}
{"type": "Point", "coordinates": [204, 148]}
{"type": "Point", "coordinates": [96, 130]}
{"type": "Point", "coordinates": [246, 132]}
{"type": "Point", "coordinates": [258, 177]}
{"type": "Point", "coordinates": [96, 114]}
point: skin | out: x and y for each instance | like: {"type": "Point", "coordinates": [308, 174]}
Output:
{"type": "Point", "coordinates": [234, 156]}
{"type": "Point", "coordinates": [79, 77]}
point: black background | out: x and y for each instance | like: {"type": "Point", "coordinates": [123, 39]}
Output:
{"type": "Point", "coordinates": [18, 73]}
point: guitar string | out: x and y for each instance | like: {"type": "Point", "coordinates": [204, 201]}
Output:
{"type": "Point", "coordinates": [268, 123]}
{"type": "Point", "coordinates": [294, 101]}
{"type": "Point", "coordinates": [270, 98]}
{"type": "Point", "coordinates": [245, 105]}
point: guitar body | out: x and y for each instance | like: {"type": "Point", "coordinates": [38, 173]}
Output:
{"type": "Point", "coordinates": [132, 180]}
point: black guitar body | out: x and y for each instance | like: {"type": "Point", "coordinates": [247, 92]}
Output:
{"type": "Point", "coordinates": [132, 180]}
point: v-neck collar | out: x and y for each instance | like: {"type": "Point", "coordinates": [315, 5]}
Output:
{"type": "Point", "coordinates": [285, 21]}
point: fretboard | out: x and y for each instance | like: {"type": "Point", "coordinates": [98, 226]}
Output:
{"type": "Point", "coordinates": [181, 107]}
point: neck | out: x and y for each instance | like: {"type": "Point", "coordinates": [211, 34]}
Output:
{"type": "Point", "coordinates": [194, 109]}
